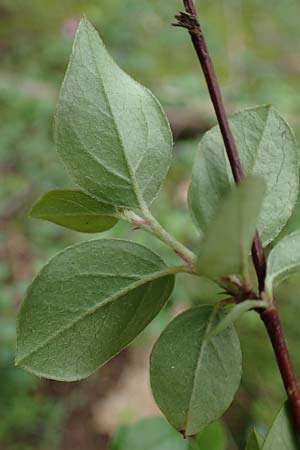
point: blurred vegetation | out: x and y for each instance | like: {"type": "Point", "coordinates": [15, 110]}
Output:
{"type": "Point", "coordinates": [255, 48]}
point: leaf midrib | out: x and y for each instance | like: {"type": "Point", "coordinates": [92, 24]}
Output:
{"type": "Point", "coordinates": [138, 194]}
{"type": "Point", "coordinates": [200, 357]}
{"type": "Point", "coordinates": [152, 277]}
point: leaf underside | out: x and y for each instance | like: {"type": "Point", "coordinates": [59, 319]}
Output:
{"type": "Point", "coordinates": [87, 304]}
{"type": "Point", "coordinates": [193, 379]}
{"type": "Point", "coordinates": [267, 148]}
{"type": "Point", "coordinates": [283, 260]}
{"type": "Point", "coordinates": [110, 131]}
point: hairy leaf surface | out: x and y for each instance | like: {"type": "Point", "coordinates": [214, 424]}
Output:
{"type": "Point", "coordinates": [225, 248]}
{"type": "Point", "coordinates": [110, 131]}
{"type": "Point", "coordinates": [283, 260]}
{"type": "Point", "coordinates": [267, 148]}
{"type": "Point", "coordinates": [282, 435]}
{"type": "Point", "coordinates": [194, 379]}
{"type": "Point", "coordinates": [75, 210]}
{"type": "Point", "coordinates": [87, 304]}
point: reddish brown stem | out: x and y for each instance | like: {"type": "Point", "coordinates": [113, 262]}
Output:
{"type": "Point", "coordinates": [190, 7]}
{"type": "Point", "coordinates": [189, 21]}
{"type": "Point", "coordinates": [272, 322]}
{"type": "Point", "coordinates": [270, 317]}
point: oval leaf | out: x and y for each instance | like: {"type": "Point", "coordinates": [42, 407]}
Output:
{"type": "Point", "coordinates": [109, 130]}
{"type": "Point", "coordinates": [225, 248]}
{"type": "Point", "coordinates": [194, 379]}
{"type": "Point", "coordinates": [267, 148]}
{"type": "Point", "coordinates": [282, 435]}
{"type": "Point", "coordinates": [87, 304]}
{"type": "Point", "coordinates": [283, 260]}
{"type": "Point", "coordinates": [75, 210]}
{"type": "Point", "coordinates": [255, 441]}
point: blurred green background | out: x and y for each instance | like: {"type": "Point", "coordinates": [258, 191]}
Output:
{"type": "Point", "coordinates": [255, 46]}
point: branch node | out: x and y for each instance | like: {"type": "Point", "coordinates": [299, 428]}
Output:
{"type": "Point", "coordinates": [187, 21]}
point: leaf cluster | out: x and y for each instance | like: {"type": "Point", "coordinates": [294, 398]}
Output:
{"type": "Point", "coordinates": [91, 300]}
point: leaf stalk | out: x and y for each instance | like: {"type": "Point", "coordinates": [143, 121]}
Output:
{"type": "Point", "coordinates": [150, 224]}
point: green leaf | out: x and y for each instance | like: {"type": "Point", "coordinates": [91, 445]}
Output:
{"type": "Point", "coordinates": [193, 379]}
{"type": "Point", "coordinates": [75, 210]}
{"type": "Point", "coordinates": [156, 434]}
{"type": "Point", "coordinates": [110, 131]}
{"type": "Point", "coordinates": [234, 314]}
{"type": "Point", "coordinates": [283, 260]}
{"type": "Point", "coordinates": [118, 437]}
{"type": "Point", "coordinates": [255, 441]}
{"type": "Point", "coordinates": [87, 304]}
{"type": "Point", "coordinates": [148, 434]}
{"type": "Point", "coordinates": [282, 435]}
{"type": "Point", "coordinates": [225, 248]}
{"type": "Point", "coordinates": [267, 148]}
{"type": "Point", "coordinates": [212, 438]}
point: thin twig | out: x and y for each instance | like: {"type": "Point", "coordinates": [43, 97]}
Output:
{"type": "Point", "coordinates": [270, 317]}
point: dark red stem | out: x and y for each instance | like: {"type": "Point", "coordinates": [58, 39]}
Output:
{"type": "Point", "coordinates": [190, 7]}
{"type": "Point", "coordinates": [190, 22]}
{"type": "Point", "coordinates": [270, 316]}
{"type": "Point", "coordinates": [272, 322]}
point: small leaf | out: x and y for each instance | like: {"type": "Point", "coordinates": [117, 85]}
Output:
{"type": "Point", "coordinates": [87, 304]}
{"type": "Point", "coordinates": [282, 435]}
{"type": "Point", "coordinates": [149, 434]}
{"type": "Point", "coordinates": [225, 248]}
{"type": "Point", "coordinates": [193, 379]}
{"type": "Point", "coordinates": [255, 441]}
{"type": "Point", "coordinates": [283, 260]}
{"type": "Point", "coordinates": [267, 148]}
{"type": "Point", "coordinates": [110, 131]}
{"type": "Point", "coordinates": [75, 210]}
{"type": "Point", "coordinates": [234, 314]}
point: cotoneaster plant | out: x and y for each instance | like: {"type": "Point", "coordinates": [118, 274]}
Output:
{"type": "Point", "coordinates": [91, 300]}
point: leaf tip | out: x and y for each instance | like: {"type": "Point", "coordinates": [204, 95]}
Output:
{"type": "Point", "coordinates": [183, 433]}
{"type": "Point", "coordinates": [85, 24]}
